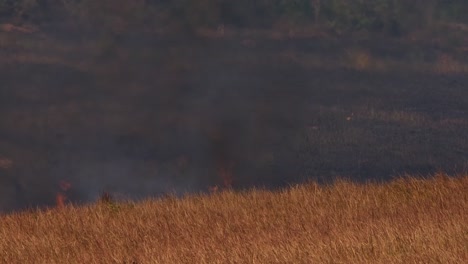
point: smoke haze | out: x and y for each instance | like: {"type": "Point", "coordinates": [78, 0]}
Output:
{"type": "Point", "coordinates": [141, 115]}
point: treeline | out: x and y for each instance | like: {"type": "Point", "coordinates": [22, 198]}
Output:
{"type": "Point", "coordinates": [390, 16]}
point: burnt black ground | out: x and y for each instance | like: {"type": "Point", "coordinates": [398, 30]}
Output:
{"type": "Point", "coordinates": [165, 115]}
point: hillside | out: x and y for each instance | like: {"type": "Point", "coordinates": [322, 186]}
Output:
{"type": "Point", "coordinates": [407, 220]}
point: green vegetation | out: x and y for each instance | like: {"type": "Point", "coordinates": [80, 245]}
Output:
{"type": "Point", "coordinates": [394, 17]}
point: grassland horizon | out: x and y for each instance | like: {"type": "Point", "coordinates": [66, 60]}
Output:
{"type": "Point", "coordinates": [406, 220]}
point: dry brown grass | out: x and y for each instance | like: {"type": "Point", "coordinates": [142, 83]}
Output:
{"type": "Point", "coordinates": [405, 221]}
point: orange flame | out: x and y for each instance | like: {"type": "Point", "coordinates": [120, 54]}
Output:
{"type": "Point", "coordinates": [222, 152]}
{"type": "Point", "coordinates": [213, 189]}
{"type": "Point", "coordinates": [61, 197]}
{"type": "Point", "coordinates": [60, 200]}
{"type": "Point", "coordinates": [225, 173]}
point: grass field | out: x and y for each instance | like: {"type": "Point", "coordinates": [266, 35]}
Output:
{"type": "Point", "coordinates": [407, 220]}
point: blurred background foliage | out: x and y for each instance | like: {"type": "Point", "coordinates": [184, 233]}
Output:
{"type": "Point", "coordinates": [395, 17]}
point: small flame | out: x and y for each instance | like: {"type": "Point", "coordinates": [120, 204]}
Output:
{"type": "Point", "coordinates": [60, 200]}
{"type": "Point", "coordinates": [213, 189]}
{"type": "Point", "coordinates": [225, 173]}
{"type": "Point", "coordinates": [61, 197]}
{"type": "Point", "coordinates": [222, 152]}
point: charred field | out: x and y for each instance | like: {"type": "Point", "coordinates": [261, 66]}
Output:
{"type": "Point", "coordinates": [140, 115]}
